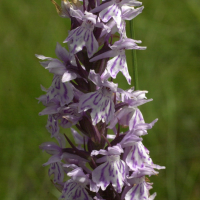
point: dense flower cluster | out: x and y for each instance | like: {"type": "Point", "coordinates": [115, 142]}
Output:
{"type": "Point", "coordinates": [104, 163]}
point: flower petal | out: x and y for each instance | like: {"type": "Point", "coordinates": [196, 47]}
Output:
{"type": "Point", "coordinates": [118, 63]}
{"type": "Point", "coordinates": [61, 91]}
{"type": "Point", "coordinates": [73, 190]}
{"type": "Point", "coordinates": [101, 104]}
{"type": "Point", "coordinates": [57, 170]}
{"type": "Point", "coordinates": [110, 172]}
{"type": "Point", "coordinates": [68, 76]}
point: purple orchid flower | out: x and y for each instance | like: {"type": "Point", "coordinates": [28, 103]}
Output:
{"type": "Point", "coordinates": [83, 97]}
{"type": "Point", "coordinates": [54, 161]}
{"type": "Point", "coordinates": [138, 157]}
{"type": "Point", "coordinates": [113, 9]}
{"type": "Point", "coordinates": [130, 115]}
{"type": "Point", "coordinates": [118, 63]}
{"type": "Point", "coordinates": [63, 92]}
{"type": "Point", "coordinates": [128, 13]}
{"type": "Point", "coordinates": [65, 68]}
{"type": "Point", "coordinates": [70, 116]}
{"type": "Point", "coordinates": [75, 188]}
{"type": "Point", "coordinates": [113, 170]}
{"type": "Point", "coordinates": [138, 189]}
{"type": "Point", "coordinates": [83, 35]}
{"type": "Point", "coordinates": [52, 126]}
{"type": "Point", "coordinates": [101, 101]}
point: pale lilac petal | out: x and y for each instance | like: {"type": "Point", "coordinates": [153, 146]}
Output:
{"type": "Point", "coordinates": [83, 36]}
{"type": "Point", "coordinates": [109, 136]}
{"type": "Point", "coordinates": [91, 43]}
{"type": "Point", "coordinates": [101, 151]}
{"type": "Point", "coordinates": [76, 13]}
{"type": "Point", "coordinates": [138, 157]}
{"type": "Point", "coordinates": [101, 104]}
{"type": "Point", "coordinates": [113, 122]}
{"type": "Point", "coordinates": [72, 166]}
{"type": "Point", "coordinates": [75, 187]}
{"type": "Point", "coordinates": [88, 101]}
{"type": "Point", "coordinates": [107, 54]}
{"type": "Point", "coordinates": [105, 28]}
{"type": "Point", "coordinates": [111, 85]}
{"type": "Point", "coordinates": [95, 78]}
{"type": "Point", "coordinates": [50, 110]}
{"type": "Point", "coordinates": [125, 43]}
{"type": "Point", "coordinates": [45, 63]}
{"type": "Point", "coordinates": [152, 197]}
{"type": "Point", "coordinates": [62, 53]}
{"type": "Point", "coordinates": [127, 116]}
{"type": "Point", "coordinates": [138, 191]}
{"type": "Point", "coordinates": [72, 33]}
{"type": "Point", "coordinates": [113, 171]}
{"type": "Point", "coordinates": [126, 74]}
{"type": "Point", "coordinates": [104, 111]}
{"type": "Point", "coordinates": [90, 17]}
{"type": "Point", "coordinates": [43, 88]}
{"type": "Point", "coordinates": [140, 94]}
{"type": "Point", "coordinates": [68, 156]}
{"type": "Point", "coordinates": [63, 92]}
{"type": "Point", "coordinates": [136, 103]}
{"type": "Point", "coordinates": [141, 129]}
{"type": "Point", "coordinates": [70, 115]}
{"type": "Point", "coordinates": [93, 186]}
{"type": "Point", "coordinates": [76, 173]}
{"type": "Point", "coordinates": [128, 13]}
{"type": "Point", "coordinates": [102, 159]}
{"type": "Point", "coordinates": [61, 140]}
{"type": "Point", "coordinates": [101, 7]}
{"type": "Point", "coordinates": [105, 76]}
{"type": "Point", "coordinates": [78, 138]}
{"type": "Point", "coordinates": [133, 98]}
{"type": "Point", "coordinates": [115, 150]}
{"type": "Point", "coordinates": [56, 67]}
{"type": "Point", "coordinates": [137, 118]}
{"type": "Point", "coordinates": [74, 191]}
{"type": "Point", "coordinates": [68, 76]}
{"type": "Point", "coordinates": [146, 171]}
{"type": "Point", "coordinates": [57, 170]}
{"type": "Point", "coordinates": [129, 140]}
{"type": "Point", "coordinates": [52, 126]}
{"type": "Point", "coordinates": [51, 148]}
{"type": "Point", "coordinates": [65, 5]}
{"type": "Point", "coordinates": [53, 159]}
{"type": "Point", "coordinates": [55, 63]}
{"type": "Point", "coordinates": [118, 18]}
{"type": "Point", "coordinates": [41, 57]}
{"type": "Point", "coordinates": [117, 64]}
{"type": "Point", "coordinates": [109, 12]}
{"type": "Point", "coordinates": [130, 3]}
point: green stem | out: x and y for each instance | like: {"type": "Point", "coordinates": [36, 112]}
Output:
{"type": "Point", "coordinates": [134, 56]}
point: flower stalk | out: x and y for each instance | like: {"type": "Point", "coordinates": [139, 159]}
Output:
{"type": "Point", "coordinates": [100, 164]}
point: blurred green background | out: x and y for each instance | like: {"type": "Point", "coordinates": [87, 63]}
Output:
{"type": "Point", "coordinates": [168, 69]}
